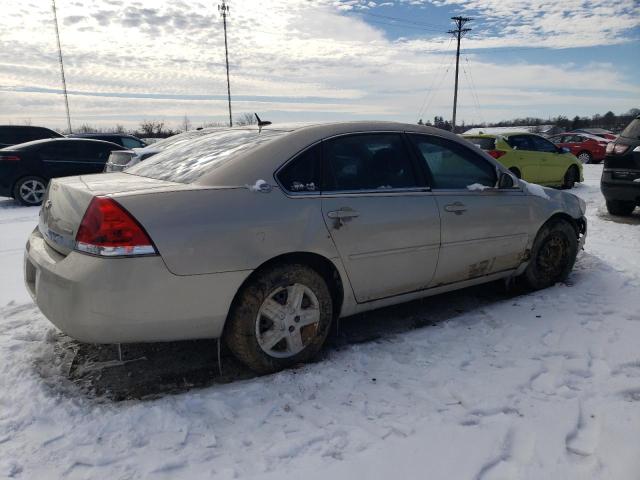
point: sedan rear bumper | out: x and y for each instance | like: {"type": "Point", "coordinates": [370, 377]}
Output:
{"type": "Point", "coordinates": [125, 300]}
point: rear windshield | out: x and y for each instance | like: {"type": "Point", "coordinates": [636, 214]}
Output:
{"type": "Point", "coordinates": [188, 161]}
{"type": "Point", "coordinates": [632, 130]}
{"type": "Point", "coordinates": [485, 143]}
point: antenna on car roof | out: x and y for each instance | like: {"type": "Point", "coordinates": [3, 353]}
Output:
{"type": "Point", "coordinates": [261, 123]}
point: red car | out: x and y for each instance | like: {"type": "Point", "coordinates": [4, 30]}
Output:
{"type": "Point", "coordinates": [598, 132]}
{"type": "Point", "coordinates": [588, 148]}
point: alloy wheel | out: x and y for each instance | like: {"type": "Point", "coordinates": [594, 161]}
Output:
{"type": "Point", "coordinates": [32, 191]}
{"type": "Point", "coordinates": [287, 321]}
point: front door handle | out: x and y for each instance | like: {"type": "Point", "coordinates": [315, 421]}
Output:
{"type": "Point", "coordinates": [341, 216]}
{"type": "Point", "coordinates": [457, 208]}
{"type": "Point", "coordinates": [344, 212]}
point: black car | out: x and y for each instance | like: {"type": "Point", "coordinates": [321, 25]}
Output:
{"type": "Point", "coordinates": [25, 169]}
{"type": "Point", "coordinates": [127, 141]}
{"type": "Point", "coordinates": [15, 134]}
{"type": "Point", "coordinates": [620, 182]}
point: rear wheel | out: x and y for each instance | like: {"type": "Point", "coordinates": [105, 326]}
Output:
{"type": "Point", "coordinates": [30, 190]}
{"type": "Point", "coordinates": [553, 254]}
{"type": "Point", "coordinates": [620, 208]}
{"type": "Point", "coordinates": [571, 177]}
{"type": "Point", "coordinates": [516, 172]}
{"type": "Point", "coordinates": [585, 157]}
{"type": "Point", "coordinates": [281, 318]}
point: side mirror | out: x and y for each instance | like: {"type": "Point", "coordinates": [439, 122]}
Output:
{"type": "Point", "coordinates": [506, 180]}
{"type": "Point", "coordinates": [566, 150]}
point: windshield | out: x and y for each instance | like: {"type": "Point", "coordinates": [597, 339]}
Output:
{"type": "Point", "coordinates": [187, 161]}
{"type": "Point", "coordinates": [632, 130]}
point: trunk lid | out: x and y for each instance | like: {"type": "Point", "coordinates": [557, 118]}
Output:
{"type": "Point", "coordinates": [67, 199]}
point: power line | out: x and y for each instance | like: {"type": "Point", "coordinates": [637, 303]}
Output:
{"type": "Point", "coordinates": [224, 9]}
{"type": "Point", "coordinates": [459, 32]}
{"type": "Point", "coordinates": [403, 20]}
{"type": "Point", "coordinates": [474, 90]}
{"type": "Point", "coordinates": [433, 89]}
{"type": "Point", "coordinates": [427, 95]}
{"type": "Point", "coordinates": [64, 81]}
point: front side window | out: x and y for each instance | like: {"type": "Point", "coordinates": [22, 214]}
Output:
{"type": "Point", "coordinates": [368, 162]}
{"type": "Point", "coordinates": [453, 166]}
{"type": "Point", "coordinates": [302, 174]}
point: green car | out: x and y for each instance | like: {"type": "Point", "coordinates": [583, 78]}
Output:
{"type": "Point", "coordinates": [532, 158]}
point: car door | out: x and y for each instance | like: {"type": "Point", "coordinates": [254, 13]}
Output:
{"type": "Point", "coordinates": [381, 216]}
{"type": "Point", "coordinates": [525, 158]}
{"type": "Point", "coordinates": [484, 230]}
{"type": "Point", "coordinates": [61, 158]}
{"type": "Point", "coordinates": [551, 164]}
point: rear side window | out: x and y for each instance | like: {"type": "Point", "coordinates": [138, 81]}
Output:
{"type": "Point", "coordinates": [187, 161]}
{"type": "Point", "coordinates": [302, 174]}
{"type": "Point", "coordinates": [453, 166]}
{"type": "Point", "coordinates": [130, 142]}
{"type": "Point", "coordinates": [520, 142]}
{"type": "Point", "coordinates": [367, 162]}
{"type": "Point", "coordinates": [632, 130]}
{"type": "Point", "coordinates": [96, 152]}
{"type": "Point", "coordinates": [484, 143]}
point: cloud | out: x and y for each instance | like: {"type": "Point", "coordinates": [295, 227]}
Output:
{"type": "Point", "coordinates": [147, 58]}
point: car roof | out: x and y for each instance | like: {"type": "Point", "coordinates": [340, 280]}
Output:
{"type": "Point", "coordinates": [496, 135]}
{"type": "Point", "coordinates": [62, 139]}
{"type": "Point", "coordinates": [26, 127]}
{"type": "Point", "coordinates": [89, 135]}
{"type": "Point", "coordinates": [261, 162]}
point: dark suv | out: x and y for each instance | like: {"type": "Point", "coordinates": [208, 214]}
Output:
{"type": "Point", "coordinates": [620, 182]}
{"type": "Point", "coordinates": [127, 141]}
{"type": "Point", "coordinates": [15, 134]}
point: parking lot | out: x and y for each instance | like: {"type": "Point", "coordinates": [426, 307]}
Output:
{"type": "Point", "coordinates": [479, 383]}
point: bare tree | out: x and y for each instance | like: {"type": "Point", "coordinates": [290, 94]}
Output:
{"type": "Point", "coordinates": [86, 128]}
{"type": "Point", "coordinates": [246, 119]}
{"type": "Point", "coordinates": [186, 124]}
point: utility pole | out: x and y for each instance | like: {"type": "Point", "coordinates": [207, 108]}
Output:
{"type": "Point", "coordinates": [224, 10]}
{"type": "Point", "coordinates": [458, 33]}
{"type": "Point", "coordinates": [64, 82]}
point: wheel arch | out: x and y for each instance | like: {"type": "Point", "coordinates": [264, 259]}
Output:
{"type": "Point", "coordinates": [325, 267]}
{"type": "Point", "coordinates": [578, 224]}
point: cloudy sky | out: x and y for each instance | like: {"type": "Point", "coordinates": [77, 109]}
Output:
{"type": "Point", "coordinates": [301, 60]}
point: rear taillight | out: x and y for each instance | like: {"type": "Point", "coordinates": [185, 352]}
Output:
{"type": "Point", "coordinates": [617, 149]}
{"type": "Point", "coordinates": [496, 153]}
{"type": "Point", "coordinates": [9, 158]}
{"type": "Point", "coordinates": [109, 230]}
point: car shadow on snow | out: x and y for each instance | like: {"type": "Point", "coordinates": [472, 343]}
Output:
{"type": "Point", "coordinates": [633, 219]}
{"type": "Point", "coordinates": [147, 371]}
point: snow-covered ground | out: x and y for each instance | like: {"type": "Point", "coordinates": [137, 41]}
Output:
{"type": "Point", "coordinates": [543, 385]}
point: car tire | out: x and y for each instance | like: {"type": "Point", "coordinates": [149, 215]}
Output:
{"type": "Point", "coordinates": [516, 172]}
{"type": "Point", "coordinates": [620, 208]}
{"type": "Point", "coordinates": [571, 177]}
{"type": "Point", "coordinates": [585, 157]}
{"type": "Point", "coordinates": [29, 191]}
{"type": "Point", "coordinates": [553, 255]}
{"type": "Point", "coordinates": [280, 318]}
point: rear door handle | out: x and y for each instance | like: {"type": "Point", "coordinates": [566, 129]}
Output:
{"type": "Point", "coordinates": [344, 212]}
{"type": "Point", "coordinates": [457, 208]}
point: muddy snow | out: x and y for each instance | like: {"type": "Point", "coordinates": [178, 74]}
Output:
{"type": "Point", "coordinates": [478, 384]}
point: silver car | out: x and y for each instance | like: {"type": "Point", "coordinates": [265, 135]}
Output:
{"type": "Point", "coordinates": [264, 238]}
